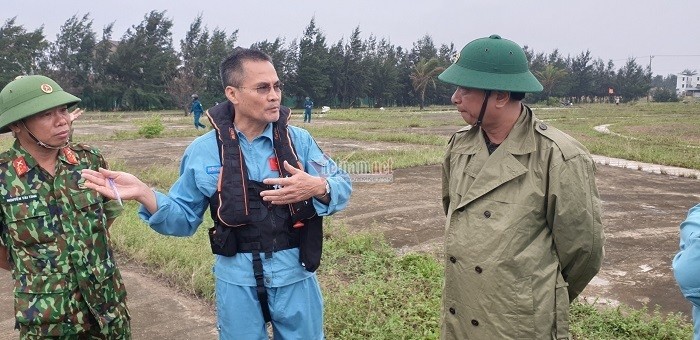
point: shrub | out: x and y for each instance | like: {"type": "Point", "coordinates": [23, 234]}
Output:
{"type": "Point", "coordinates": [664, 95]}
{"type": "Point", "coordinates": [553, 101]}
{"type": "Point", "coordinates": [151, 127]}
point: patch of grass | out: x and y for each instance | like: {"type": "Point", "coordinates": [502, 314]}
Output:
{"type": "Point", "coordinates": [158, 176]}
{"type": "Point", "coordinates": [589, 322]}
{"type": "Point", "coordinates": [399, 117]}
{"type": "Point", "coordinates": [145, 125]}
{"type": "Point", "coordinates": [133, 134]}
{"type": "Point", "coordinates": [366, 133]}
{"type": "Point", "coordinates": [372, 293]}
{"type": "Point", "coordinates": [399, 159]}
{"type": "Point", "coordinates": [183, 261]}
{"type": "Point", "coordinates": [661, 133]}
{"type": "Point", "coordinates": [151, 127]}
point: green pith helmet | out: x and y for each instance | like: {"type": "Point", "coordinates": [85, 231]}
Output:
{"type": "Point", "coordinates": [29, 95]}
{"type": "Point", "coordinates": [492, 63]}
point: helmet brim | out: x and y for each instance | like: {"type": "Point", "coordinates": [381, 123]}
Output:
{"type": "Point", "coordinates": [34, 106]}
{"type": "Point", "coordinates": [511, 82]}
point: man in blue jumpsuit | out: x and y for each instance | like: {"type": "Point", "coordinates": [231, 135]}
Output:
{"type": "Point", "coordinates": [686, 264]}
{"type": "Point", "coordinates": [308, 105]}
{"type": "Point", "coordinates": [197, 110]}
{"type": "Point", "coordinates": [294, 298]}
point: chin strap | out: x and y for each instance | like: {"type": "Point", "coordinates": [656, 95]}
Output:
{"type": "Point", "coordinates": [483, 108]}
{"type": "Point", "coordinates": [42, 144]}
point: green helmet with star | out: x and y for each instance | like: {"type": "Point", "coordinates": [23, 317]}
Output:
{"type": "Point", "coordinates": [492, 63]}
{"type": "Point", "coordinates": [28, 95]}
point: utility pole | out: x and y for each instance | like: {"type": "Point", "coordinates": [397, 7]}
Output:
{"type": "Point", "coordinates": [650, 79]}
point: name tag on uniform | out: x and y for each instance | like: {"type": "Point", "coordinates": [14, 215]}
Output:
{"type": "Point", "coordinates": [22, 198]}
{"type": "Point", "coordinates": [274, 166]}
{"type": "Point", "coordinates": [212, 169]}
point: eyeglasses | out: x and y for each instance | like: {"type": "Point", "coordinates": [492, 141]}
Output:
{"type": "Point", "coordinates": [264, 89]}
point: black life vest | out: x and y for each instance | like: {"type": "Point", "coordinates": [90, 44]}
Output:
{"type": "Point", "coordinates": [241, 218]}
{"type": "Point", "coordinates": [243, 222]}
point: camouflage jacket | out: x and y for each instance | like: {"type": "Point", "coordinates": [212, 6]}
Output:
{"type": "Point", "coordinates": [56, 233]}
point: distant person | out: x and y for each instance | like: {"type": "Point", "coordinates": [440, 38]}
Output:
{"type": "Point", "coordinates": [686, 264]}
{"type": "Point", "coordinates": [524, 233]}
{"type": "Point", "coordinates": [266, 185]}
{"type": "Point", "coordinates": [308, 105]}
{"type": "Point", "coordinates": [617, 100]}
{"type": "Point", "coordinates": [197, 110]}
{"type": "Point", "coordinates": [54, 235]}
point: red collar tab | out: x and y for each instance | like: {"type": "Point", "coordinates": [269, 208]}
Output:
{"type": "Point", "coordinates": [20, 165]}
{"type": "Point", "coordinates": [71, 157]}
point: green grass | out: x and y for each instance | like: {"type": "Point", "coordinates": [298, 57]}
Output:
{"type": "Point", "coordinates": [183, 261]}
{"type": "Point", "coordinates": [174, 127]}
{"type": "Point", "coordinates": [370, 292]}
{"type": "Point", "coordinates": [398, 159]}
{"type": "Point", "coordinates": [659, 133]}
{"type": "Point", "coordinates": [365, 132]}
{"type": "Point", "coordinates": [589, 322]}
{"type": "Point", "coordinates": [398, 117]}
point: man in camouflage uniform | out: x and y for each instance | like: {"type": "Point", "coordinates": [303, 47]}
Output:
{"type": "Point", "coordinates": [53, 231]}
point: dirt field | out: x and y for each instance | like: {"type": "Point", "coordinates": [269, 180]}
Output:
{"type": "Point", "coordinates": [642, 212]}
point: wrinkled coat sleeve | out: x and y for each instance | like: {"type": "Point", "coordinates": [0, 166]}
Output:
{"type": "Point", "coordinates": [686, 264]}
{"type": "Point", "coordinates": [574, 214]}
{"type": "Point", "coordinates": [446, 177]}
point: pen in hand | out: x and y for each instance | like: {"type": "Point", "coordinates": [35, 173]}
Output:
{"type": "Point", "coordinates": [114, 190]}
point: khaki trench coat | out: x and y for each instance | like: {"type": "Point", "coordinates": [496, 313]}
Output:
{"type": "Point", "coordinates": [523, 234]}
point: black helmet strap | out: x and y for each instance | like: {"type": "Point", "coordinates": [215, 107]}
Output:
{"type": "Point", "coordinates": [40, 143]}
{"type": "Point", "coordinates": [483, 107]}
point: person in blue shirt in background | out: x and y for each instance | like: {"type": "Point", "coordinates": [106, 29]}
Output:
{"type": "Point", "coordinates": [686, 264]}
{"type": "Point", "coordinates": [294, 297]}
{"type": "Point", "coordinates": [308, 105]}
{"type": "Point", "coordinates": [197, 110]}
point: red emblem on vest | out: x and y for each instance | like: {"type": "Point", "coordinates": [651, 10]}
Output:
{"type": "Point", "coordinates": [20, 166]}
{"type": "Point", "coordinates": [274, 166]}
{"type": "Point", "coordinates": [71, 157]}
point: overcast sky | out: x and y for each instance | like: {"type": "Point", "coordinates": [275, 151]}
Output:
{"type": "Point", "coordinates": [610, 29]}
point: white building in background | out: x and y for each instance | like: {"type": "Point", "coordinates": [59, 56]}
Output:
{"type": "Point", "coordinates": [688, 85]}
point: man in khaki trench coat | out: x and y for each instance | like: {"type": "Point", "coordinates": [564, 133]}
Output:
{"type": "Point", "coordinates": [523, 235]}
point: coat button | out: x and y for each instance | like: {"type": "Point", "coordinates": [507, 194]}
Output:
{"type": "Point", "coordinates": [475, 323]}
{"type": "Point", "coordinates": [452, 310]}
{"type": "Point", "coordinates": [543, 126]}
{"type": "Point", "coordinates": [487, 214]}
{"type": "Point", "coordinates": [453, 259]}
{"type": "Point", "coordinates": [478, 269]}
